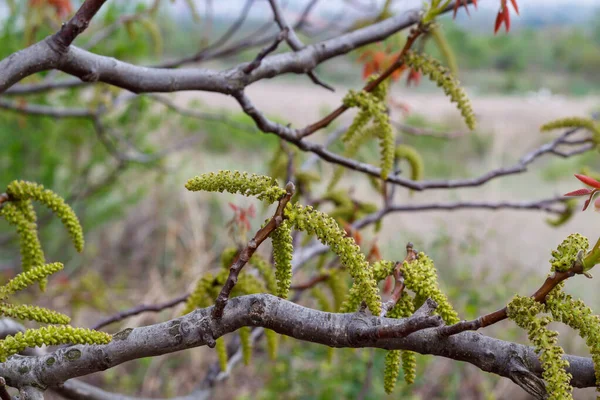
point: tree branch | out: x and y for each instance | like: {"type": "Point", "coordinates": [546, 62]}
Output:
{"type": "Point", "coordinates": [80, 21]}
{"type": "Point", "coordinates": [91, 67]}
{"type": "Point", "coordinates": [335, 330]}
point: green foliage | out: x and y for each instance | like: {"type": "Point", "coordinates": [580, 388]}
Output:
{"type": "Point", "coordinates": [524, 311]}
{"type": "Point", "coordinates": [444, 79]}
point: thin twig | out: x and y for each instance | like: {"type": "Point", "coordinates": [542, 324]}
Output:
{"type": "Point", "coordinates": [499, 315]}
{"type": "Point", "coordinates": [293, 40]}
{"type": "Point", "coordinates": [245, 255]}
{"type": "Point", "coordinates": [141, 308]}
{"type": "Point", "coordinates": [415, 33]}
{"type": "Point", "coordinates": [266, 51]}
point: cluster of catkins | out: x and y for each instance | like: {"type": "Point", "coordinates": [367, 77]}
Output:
{"type": "Point", "coordinates": [534, 317]}
{"type": "Point", "coordinates": [420, 276]}
{"type": "Point", "coordinates": [18, 211]}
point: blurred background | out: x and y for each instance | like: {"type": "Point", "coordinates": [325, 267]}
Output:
{"type": "Point", "coordinates": [148, 239]}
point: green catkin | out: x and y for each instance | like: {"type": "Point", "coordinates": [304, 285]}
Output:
{"type": "Point", "coordinates": [31, 249]}
{"type": "Point", "coordinates": [323, 301]}
{"type": "Point", "coordinates": [33, 313]}
{"type": "Point", "coordinates": [26, 208]}
{"type": "Point", "coordinates": [27, 278]}
{"type": "Point", "coordinates": [351, 147]}
{"type": "Point", "coordinates": [403, 308]}
{"type": "Point", "coordinates": [246, 344]}
{"type": "Point", "coordinates": [445, 49]}
{"type": "Point", "coordinates": [205, 291]}
{"type": "Point", "coordinates": [409, 366]}
{"type": "Point", "coordinates": [272, 343]}
{"type": "Point", "coordinates": [382, 269]}
{"type": "Point", "coordinates": [221, 349]}
{"type": "Point", "coordinates": [50, 336]}
{"type": "Point", "coordinates": [282, 256]}
{"type": "Point", "coordinates": [414, 159]}
{"type": "Point", "coordinates": [565, 254]}
{"type": "Point", "coordinates": [524, 311]}
{"type": "Point", "coordinates": [329, 233]}
{"type": "Point", "coordinates": [265, 270]}
{"type": "Point", "coordinates": [373, 106]}
{"type": "Point", "coordinates": [22, 190]}
{"type": "Point", "coordinates": [444, 79]}
{"type": "Point", "coordinates": [262, 187]}
{"type": "Point", "coordinates": [338, 287]}
{"type": "Point", "coordinates": [420, 276]}
{"type": "Point", "coordinates": [580, 317]}
{"type": "Point", "coordinates": [353, 299]}
{"type": "Point", "coordinates": [247, 284]}
{"type": "Point", "coordinates": [392, 369]}
{"type": "Point", "coordinates": [227, 257]}
{"type": "Point", "coordinates": [574, 122]}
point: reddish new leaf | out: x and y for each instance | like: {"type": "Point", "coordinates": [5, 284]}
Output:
{"type": "Point", "coordinates": [579, 192]}
{"type": "Point", "coordinates": [588, 181]}
{"type": "Point", "coordinates": [515, 6]}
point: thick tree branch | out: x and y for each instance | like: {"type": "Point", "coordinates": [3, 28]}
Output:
{"type": "Point", "coordinates": [91, 67]}
{"type": "Point", "coordinates": [335, 330]}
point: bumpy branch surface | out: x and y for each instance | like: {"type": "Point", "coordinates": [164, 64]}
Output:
{"type": "Point", "coordinates": [356, 330]}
